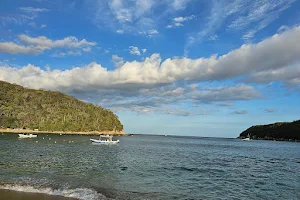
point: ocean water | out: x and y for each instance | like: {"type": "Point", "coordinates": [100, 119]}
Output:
{"type": "Point", "coordinates": [151, 167]}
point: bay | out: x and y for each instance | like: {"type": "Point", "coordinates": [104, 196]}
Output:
{"type": "Point", "coordinates": [150, 167]}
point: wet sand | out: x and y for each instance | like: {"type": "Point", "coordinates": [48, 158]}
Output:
{"type": "Point", "coordinates": [16, 195]}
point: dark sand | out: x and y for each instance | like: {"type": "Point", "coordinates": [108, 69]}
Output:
{"type": "Point", "coordinates": [15, 195]}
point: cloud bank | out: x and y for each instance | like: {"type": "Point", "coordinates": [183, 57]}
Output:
{"type": "Point", "coordinates": [276, 58]}
{"type": "Point", "coordinates": [37, 45]}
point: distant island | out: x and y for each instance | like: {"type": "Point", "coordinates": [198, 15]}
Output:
{"type": "Point", "coordinates": [40, 110]}
{"type": "Point", "coordinates": [283, 131]}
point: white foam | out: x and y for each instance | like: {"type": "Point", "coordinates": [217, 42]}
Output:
{"type": "Point", "coordinates": [79, 193]}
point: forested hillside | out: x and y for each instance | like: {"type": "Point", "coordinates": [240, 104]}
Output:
{"type": "Point", "coordinates": [51, 111]}
{"type": "Point", "coordinates": [277, 131]}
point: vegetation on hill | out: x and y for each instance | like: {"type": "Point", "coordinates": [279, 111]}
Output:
{"type": "Point", "coordinates": [51, 111]}
{"type": "Point", "coordinates": [276, 131]}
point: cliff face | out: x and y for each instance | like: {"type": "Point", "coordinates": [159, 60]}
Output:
{"type": "Point", "coordinates": [276, 131]}
{"type": "Point", "coordinates": [51, 111]}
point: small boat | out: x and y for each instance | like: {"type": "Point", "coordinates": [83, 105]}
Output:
{"type": "Point", "coordinates": [27, 135]}
{"type": "Point", "coordinates": [247, 138]}
{"type": "Point", "coordinates": [105, 139]}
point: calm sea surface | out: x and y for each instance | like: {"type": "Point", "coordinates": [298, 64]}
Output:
{"type": "Point", "coordinates": [151, 167]}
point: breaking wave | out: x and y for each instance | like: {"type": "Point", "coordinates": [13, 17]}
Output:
{"type": "Point", "coordinates": [79, 193]}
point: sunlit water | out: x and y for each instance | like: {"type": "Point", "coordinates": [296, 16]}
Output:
{"type": "Point", "coordinates": [151, 167]}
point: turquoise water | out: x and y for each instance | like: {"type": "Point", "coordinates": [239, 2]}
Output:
{"type": "Point", "coordinates": [151, 167]}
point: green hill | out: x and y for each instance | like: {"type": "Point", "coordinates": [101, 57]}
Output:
{"type": "Point", "coordinates": [51, 111]}
{"type": "Point", "coordinates": [276, 131]}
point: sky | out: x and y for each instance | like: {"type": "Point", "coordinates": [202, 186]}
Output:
{"type": "Point", "coordinates": [208, 68]}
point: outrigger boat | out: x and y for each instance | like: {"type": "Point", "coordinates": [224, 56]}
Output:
{"type": "Point", "coordinates": [27, 135]}
{"type": "Point", "coordinates": [105, 139]}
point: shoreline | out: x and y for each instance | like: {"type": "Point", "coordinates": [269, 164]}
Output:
{"type": "Point", "coordinates": [273, 139]}
{"type": "Point", "coordinates": [21, 195]}
{"type": "Point", "coordinates": [114, 133]}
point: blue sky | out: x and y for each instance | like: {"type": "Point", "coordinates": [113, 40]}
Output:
{"type": "Point", "coordinates": [181, 67]}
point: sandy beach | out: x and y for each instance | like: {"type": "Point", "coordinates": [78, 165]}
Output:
{"type": "Point", "coordinates": [16, 195]}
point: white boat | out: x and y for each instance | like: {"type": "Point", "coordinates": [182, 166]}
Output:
{"type": "Point", "coordinates": [27, 135]}
{"type": "Point", "coordinates": [105, 139]}
{"type": "Point", "coordinates": [247, 138]}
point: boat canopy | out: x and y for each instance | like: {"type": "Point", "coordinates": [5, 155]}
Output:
{"type": "Point", "coordinates": [106, 136]}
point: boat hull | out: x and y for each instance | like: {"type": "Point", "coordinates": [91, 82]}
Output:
{"type": "Point", "coordinates": [104, 142]}
{"type": "Point", "coordinates": [27, 136]}
{"type": "Point", "coordinates": [246, 139]}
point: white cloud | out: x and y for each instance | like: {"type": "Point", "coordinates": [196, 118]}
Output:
{"type": "Point", "coordinates": [120, 31]}
{"type": "Point", "coordinates": [246, 60]}
{"type": "Point", "coordinates": [282, 29]}
{"type": "Point", "coordinates": [150, 109]}
{"type": "Point", "coordinates": [258, 15]}
{"type": "Point", "coordinates": [153, 32]}
{"type": "Point", "coordinates": [32, 24]}
{"type": "Point", "coordinates": [149, 33]}
{"type": "Point", "coordinates": [244, 17]}
{"type": "Point", "coordinates": [200, 94]}
{"type": "Point", "coordinates": [213, 37]}
{"type": "Point", "coordinates": [39, 44]}
{"type": "Point", "coordinates": [162, 99]}
{"type": "Point", "coordinates": [134, 50]}
{"type": "Point", "coordinates": [152, 80]}
{"type": "Point", "coordinates": [12, 48]}
{"type": "Point", "coordinates": [67, 42]}
{"type": "Point", "coordinates": [249, 35]}
{"type": "Point", "coordinates": [121, 13]}
{"type": "Point", "coordinates": [87, 49]}
{"type": "Point", "coordinates": [178, 21]}
{"type": "Point", "coordinates": [33, 10]}
{"type": "Point", "coordinates": [179, 4]}
{"type": "Point", "coordinates": [68, 53]}
{"type": "Point", "coordinates": [143, 6]}
{"type": "Point", "coordinates": [27, 14]}
{"type": "Point", "coordinates": [225, 93]}
{"type": "Point", "coordinates": [16, 19]}
{"type": "Point", "coordinates": [135, 17]}
{"type": "Point", "coordinates": [289, 74]}
{"type": "Point", "coordinates": [118, 61]}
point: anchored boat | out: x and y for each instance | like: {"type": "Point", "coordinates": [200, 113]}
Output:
{"type": "Point", "coordinates": [248, 138]}
{"type": "Point", "coordinates": [27, 135]}
{"type": "Point", "coordinates": [105, 139]}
